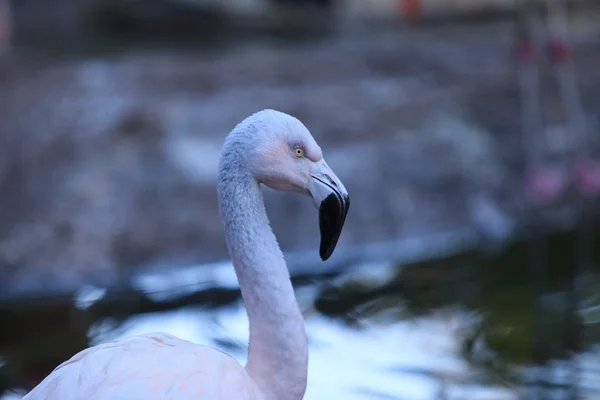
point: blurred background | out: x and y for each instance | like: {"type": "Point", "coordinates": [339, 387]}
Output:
{"type": "Point", "coordinates": [464, 130]}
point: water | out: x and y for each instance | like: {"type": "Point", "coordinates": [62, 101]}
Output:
{"type": "Point", "coordinates": [457, 327]}
{"type": "Point", "coordinates": [376, 358]}
{"type": "Point", "coordinates": [451, 327]}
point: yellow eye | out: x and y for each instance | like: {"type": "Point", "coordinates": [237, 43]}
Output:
{"type": "Point", "coordinates": [299, 152]}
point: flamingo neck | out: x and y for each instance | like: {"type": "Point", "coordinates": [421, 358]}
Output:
{"type": "Point", "coordinates": [278, 351]}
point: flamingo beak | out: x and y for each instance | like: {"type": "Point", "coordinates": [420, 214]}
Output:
{"type": "Point", "coordinates": [331, 198]}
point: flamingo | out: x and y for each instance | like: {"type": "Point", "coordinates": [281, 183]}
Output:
{"type": "Point", "coordinates": [267, 148]}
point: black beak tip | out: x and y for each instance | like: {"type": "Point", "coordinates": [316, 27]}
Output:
{"type": "Point", "coordinates": [324, 254]}
{"type": "Point", "coordinates": [332, 215]}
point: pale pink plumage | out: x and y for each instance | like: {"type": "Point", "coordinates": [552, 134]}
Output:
{"type": "Point", "coordinates": [151, 366]}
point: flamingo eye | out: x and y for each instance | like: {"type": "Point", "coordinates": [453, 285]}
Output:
{"type": "Point", "coordinates": [299, 152]}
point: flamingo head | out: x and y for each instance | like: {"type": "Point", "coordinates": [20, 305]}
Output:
{"type": "Point", "coordinates": [283, 155]}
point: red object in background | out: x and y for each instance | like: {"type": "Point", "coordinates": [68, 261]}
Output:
{"type": "Point", "coordinates": [559, 51]}
{"type": "Point", "coordinates": [411, 9]}
{"type": "Point", "coordinates": [545, 185]}
{"type": "Point", "coordinates": [526, 52]}
{"type": "Point", "coordinates": [587, 177]}
{"type": "Point", "coordinates": [5, 25]}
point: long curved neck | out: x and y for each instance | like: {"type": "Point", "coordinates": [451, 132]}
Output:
{"type": "Point", "coordinates": [278, 353]}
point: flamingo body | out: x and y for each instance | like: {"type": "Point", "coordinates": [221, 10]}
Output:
{"type": "Point", "coordinates": [150, 366]}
